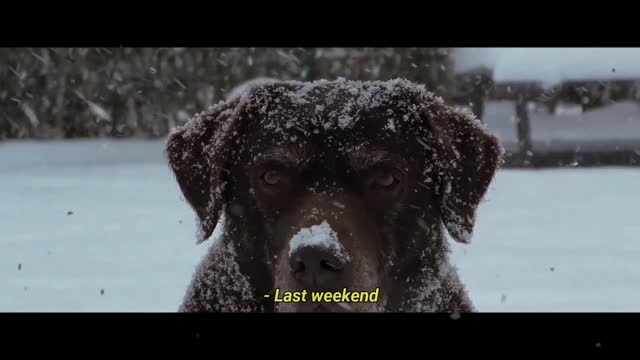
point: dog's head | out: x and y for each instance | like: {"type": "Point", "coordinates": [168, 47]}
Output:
{"type": "Point", "coordinates": [335, 184]}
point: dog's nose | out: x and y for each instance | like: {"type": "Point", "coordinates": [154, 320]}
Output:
{"type": "Point", "coordinates": [316, 266]}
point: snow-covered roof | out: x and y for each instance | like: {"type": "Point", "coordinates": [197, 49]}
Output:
{"type": "Point", "coordinates": [471, 58]}
{"type": "Point", "coordinates": [553, 65]}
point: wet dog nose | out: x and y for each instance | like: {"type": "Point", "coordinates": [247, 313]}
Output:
{"type": "Point", "coordinates": [317, 266]}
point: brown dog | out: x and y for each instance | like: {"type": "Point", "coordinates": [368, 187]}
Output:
{"type": "Point", "coordinates": [332, 185]}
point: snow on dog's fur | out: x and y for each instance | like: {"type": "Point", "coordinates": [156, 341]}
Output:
{"type": "Point", "coordinates": [328, 185]}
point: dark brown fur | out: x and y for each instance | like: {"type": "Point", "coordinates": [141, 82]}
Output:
{"type": "Point", "coordinates": [331, 145]}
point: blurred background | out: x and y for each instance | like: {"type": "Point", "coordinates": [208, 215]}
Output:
{"type": "Point", "coordinates": [91, 218]}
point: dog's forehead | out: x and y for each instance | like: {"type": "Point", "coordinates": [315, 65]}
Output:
{"type": "Point", "coordinates": [336, 113]}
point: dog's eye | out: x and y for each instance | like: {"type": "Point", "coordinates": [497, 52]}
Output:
{"type": "Point", "coordinates": [272, 177]}
{"type": "Point", "coordinates": [385, 180]}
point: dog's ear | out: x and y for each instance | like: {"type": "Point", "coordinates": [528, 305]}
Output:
{"type": "Point", "coordinates": [464, 160]}
{"type": "Point", "coordinates": [198, 153]}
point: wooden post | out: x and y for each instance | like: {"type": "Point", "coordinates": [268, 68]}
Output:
{"type": "Point", "coordinates": [311, 64]}
{"type": "Point", "coordinates": [523, 126]}
{"type": "Point", "coordinates": [477, 96]}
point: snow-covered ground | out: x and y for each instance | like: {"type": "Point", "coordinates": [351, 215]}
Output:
{"type": "Point", "coordinates": [100, 226]}
{"type": "Point", "coordinates": [556, 240]}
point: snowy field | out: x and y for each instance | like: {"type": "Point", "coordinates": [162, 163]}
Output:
{"type": "Point", "coordinates": [100, 226]}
